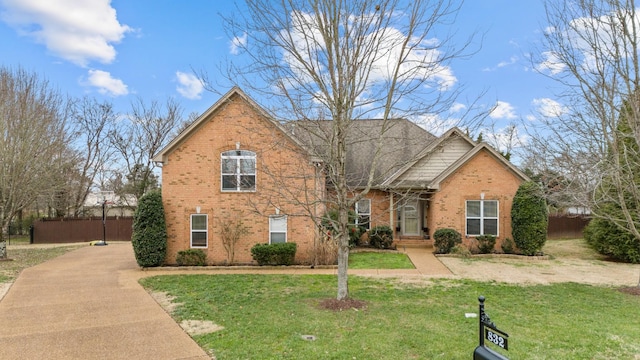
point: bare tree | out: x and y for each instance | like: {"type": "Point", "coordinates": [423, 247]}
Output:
{"type": "Point", "coordinates": [231, 229]}
{"type": "Point", "coordinates": [92, 122]}
{"type": "Point", "coordinates": [32, 132]}
{"type": "Point", "coordinates": [589, 140]}
{"type": "Point", "coordinates": [138, 137]}
{"type": "Point", "coordinates": [342, 61]}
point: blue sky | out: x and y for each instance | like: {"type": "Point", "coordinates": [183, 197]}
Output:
{"type": "Point", "coordinates": [122, 49]}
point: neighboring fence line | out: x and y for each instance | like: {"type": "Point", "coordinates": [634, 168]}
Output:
{"type": "Point", "coordinates": [69, 230]}
{"type": "Point", "coordinates": [566, 227]}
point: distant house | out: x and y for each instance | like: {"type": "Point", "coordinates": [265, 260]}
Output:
{"type": "Point", "coordinates": [116, 205]}
{"type": "Point", "coordinates": [235, 161]}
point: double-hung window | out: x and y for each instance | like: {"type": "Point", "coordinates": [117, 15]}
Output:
{"type": "Point", "coordinates": [277, 229]}
{"type": "Point", "coordinates": [482, 217]}
{"type": "Point", "coordinates": [238, 170]}
{"type": "Point", "coordinates": [199, 232]}
{"type": "Point", "coordinates": [363, 213]}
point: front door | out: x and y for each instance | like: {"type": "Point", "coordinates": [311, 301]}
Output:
{"type": "Point", "coordinates": [410, 218]}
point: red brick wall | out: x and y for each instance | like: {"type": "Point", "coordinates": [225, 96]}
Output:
{"type": "Point", "coordinates": [482, 174]}
{"type": "Point", "coordinates": [191, 178]}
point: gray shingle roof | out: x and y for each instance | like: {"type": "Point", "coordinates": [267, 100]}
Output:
{"type": "Point", "coordinates": [397, 142]}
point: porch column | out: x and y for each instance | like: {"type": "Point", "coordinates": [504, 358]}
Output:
{"type": "Point", "coordinates": [391, 224]}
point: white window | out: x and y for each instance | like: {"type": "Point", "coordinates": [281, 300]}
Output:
{"type": "Point", "coordinates": [199, 232]}
{"type": "Point", "coordinates": [277, 229]}
{"type": "Point", "coordinates": [482, 217]}
{"type": "Point", "coordinates": [363, 213]}
{"type": "Point", "coordinates": [238, 170]}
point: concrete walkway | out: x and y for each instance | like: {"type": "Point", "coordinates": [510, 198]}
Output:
{"type": "Point", "coordinates": [87, 304]}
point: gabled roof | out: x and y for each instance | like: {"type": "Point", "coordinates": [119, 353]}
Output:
{"type": "Point", "coordinates": [435, 183]}
{"type": "Point", "coordinates": [400, 140]}
{"type": "Point", "coordinates": [453, 164]}
{"type": "Point", "coordinates": [427, 151]}
{"type": "Point", "coordinates": [405, 145]}
{"type": "Point", "coordinates": [161, 156]}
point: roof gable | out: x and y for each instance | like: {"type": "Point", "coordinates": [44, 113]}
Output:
{"type": "Point", "coordinates": [435, 183]}
{"type": "Point", "coordinates": [235, 92]}
{"type": "Point", "coordinates": [433, 160]}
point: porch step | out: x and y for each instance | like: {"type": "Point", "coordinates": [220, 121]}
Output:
{"type": "Point", "coordinates": [413, 243]}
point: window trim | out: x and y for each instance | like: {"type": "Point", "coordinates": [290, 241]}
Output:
{"type": "Point", "coordinates": [286, 227]}
{"type": "Point", "coordinates": [238, 155]}
{"type": "Point", "coordinates": [368, 214]}
{"type": "Point", "coordinates": [205, 231]}
{"type": "Point", "coordinates": [482, 217]}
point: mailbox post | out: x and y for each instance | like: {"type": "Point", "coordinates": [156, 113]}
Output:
{"type": "Point", "coordinates": [489, 331]}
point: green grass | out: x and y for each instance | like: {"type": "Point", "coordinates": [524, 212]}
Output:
{"type": "Point", "coordinates": [379, 260]}
{"type": "Point", "coordinates": [26, 257]}
{"type": "Point", "coordinates": [265, 316]}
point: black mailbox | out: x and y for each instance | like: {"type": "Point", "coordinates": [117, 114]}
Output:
{"type": "Point", "coordinates": [490, 332]}
{"type": "Point", "coordinates": [484, 353]}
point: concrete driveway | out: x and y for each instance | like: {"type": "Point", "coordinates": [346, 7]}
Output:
{"type": "Point", "coordinates": [87, 304]}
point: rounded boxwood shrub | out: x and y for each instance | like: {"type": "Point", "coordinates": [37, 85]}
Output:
{"type": "Point", "coordinates": [381, 237]}
{"type": "Point", "coordinates": [274, 254]}
{"type": "Point", "coordinates": [445, 239]}
{"type": "Point", "coordinates": [609, 240]}
{"type": "Point", "coordinates": [149, 238]}
{"type": "Point", "coordinates": [529, 218]}
{"type": "Point", "coordinates": [191, 257]}
{"type": "Point", "coordinates": [486, 243]}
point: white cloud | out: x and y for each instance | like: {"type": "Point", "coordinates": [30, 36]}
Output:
{"type": "Point", "coordinates": [435, 124]}
{"type": "Point", "coordinates": [423, 61]}
{"type": "Point", "coordinates": [503, 110]}
{"type": "Point", "coordinates": [551, 64]}
{"type": "Point", "coordinates": [106, 84]}
{"type": "Point", "coordinates": [237, 43]}
{"type": "Point", "coordinates": [189, 85]}
{"type": "Point", "coordinates": [512, 60]}
{"type": "Point", "coordinates": [76, 30]}
{"type": "Point", "coordinates": [457, 107]}
{"type": "Point", "coordinates": [549, 108]}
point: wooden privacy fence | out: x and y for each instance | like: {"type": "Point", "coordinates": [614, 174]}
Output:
{"type": "Point", "coordinates": [566, 227]}
{"type": "Point", "coordinates": [68, 230]}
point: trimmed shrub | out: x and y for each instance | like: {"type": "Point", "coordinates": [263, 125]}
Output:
{"type": "Point", "coordinates": [445, 239]}
{"type": "Point", "coordinates": [381, 237]}
{"type": "Point", "coordinates": [274, 254]}
{"type": "Point", "coordinates": [609, 240]}
{"type": "Point", "coordinates": [508, 246]}
{"type": "Point", "coordinates": [149, 238]}
{"type": "Point", "coordinates": [529, 218]}
{"type": "Point", "coordinates": [486, 243]}
{"type": "Point", "coordinates": [191, 257]}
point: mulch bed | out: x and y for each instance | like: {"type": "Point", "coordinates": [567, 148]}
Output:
{"type": "Point", "coordinates": [340, 305]}
{"type": "Point", "coordinates": [631, 290]}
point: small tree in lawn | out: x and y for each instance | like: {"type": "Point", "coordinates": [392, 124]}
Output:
{"type": "Point", "coordinates": [529, 218]}
{"type": "Point", "coordinates": [231, 230]}
{"type": "Point", "coordinates": [149, 237]}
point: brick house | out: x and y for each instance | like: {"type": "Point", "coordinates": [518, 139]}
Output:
{"type": "Point", "coordinates": [236, 162]}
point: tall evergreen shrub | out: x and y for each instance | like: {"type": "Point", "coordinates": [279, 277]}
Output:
{"type": "Point", "coordinates": [529, 218]}
{"type": "Point", "coordinates": [149, 237]}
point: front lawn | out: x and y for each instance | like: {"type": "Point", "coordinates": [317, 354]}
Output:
{"type": "Point", "coordinates": [268, 316]}
{"type": "Point", "coordinates": [379, 260]}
